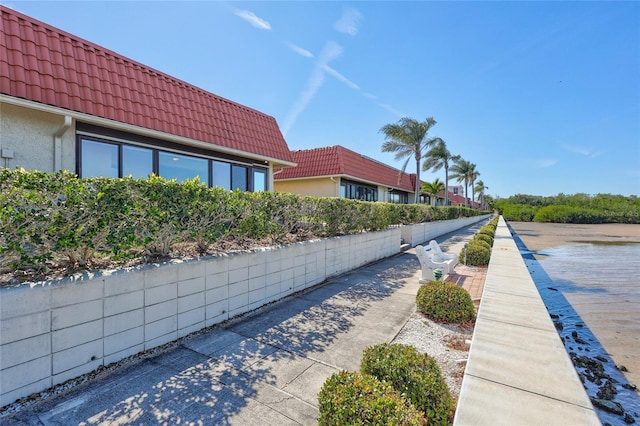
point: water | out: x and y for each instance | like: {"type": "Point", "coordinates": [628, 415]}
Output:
{"type": "Point", "coordinates": [592, 292]}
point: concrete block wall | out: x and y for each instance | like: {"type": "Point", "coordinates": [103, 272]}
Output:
{"type": "Point", "coordinates": [58, 330]}
{"type": "Point", "coordinates": [422, 232]}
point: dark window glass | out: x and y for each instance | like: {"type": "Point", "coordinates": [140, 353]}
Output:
{"type": "Point", "coordinates": [238, 178]}
{"type": "Point", "coordinates": [182, 167]}
{"type": "Point", "coordinates": [259, 180]}
{"type": "Point", "coordinates": [222, 174]}
{"type": "Point", "coordinates": [136, 161]}
{"type": "Point", "coordinates": [99, 159]}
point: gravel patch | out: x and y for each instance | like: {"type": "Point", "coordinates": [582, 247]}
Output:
{"type": "Point", "coordinates": [443, 342]}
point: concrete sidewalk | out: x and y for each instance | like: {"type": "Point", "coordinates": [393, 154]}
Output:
{"type": "Point", "coordinates": [264, 368]}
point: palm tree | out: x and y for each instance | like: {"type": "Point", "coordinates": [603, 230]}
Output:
{"type": "Point", "coordinates": [480, 188]}
{"type": "Point", "coordinates": [432, 188]}
{"type": "Point", "coordinates": [473, 175]}
{"type": "Point", "coordinates": [462, 169]}
{"type": "Point", "coordinates": [437, 158]}
{"type": "Point", "coordinates": [409, 137]}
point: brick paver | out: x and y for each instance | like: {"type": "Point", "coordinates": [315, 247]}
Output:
{"type": "Point", "coordinates": [471, 278]}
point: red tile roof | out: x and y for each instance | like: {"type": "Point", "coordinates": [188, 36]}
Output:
{"type": "Point", "coordinates": [44, 64]}
{"type": "Point", "coordinates": [340, 161]}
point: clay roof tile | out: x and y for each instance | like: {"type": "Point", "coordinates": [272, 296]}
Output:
{"type": "Point", "coordinates": [40, 60]}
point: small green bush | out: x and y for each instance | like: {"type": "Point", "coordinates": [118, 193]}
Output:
{"type": "Point", "coordinates": [484, 238]}
{"type": "Point", "coordinates": [477, 241]}
{"type": "Point", "coordinates": [416, 376]}
{"type": "Point", "coordinates": [488, 230]}
{"type": "Point", "coordinates": [477, 254]}
{"type": "Point", "coordinates": [445, 302]}
{"type": "Point", "coordinates": [348, 398]}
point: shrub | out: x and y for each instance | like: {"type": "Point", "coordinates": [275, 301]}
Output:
{"type": "Point", "coordinates": [477, 253]}
{"type": "Point", "coordinates": [445, 302]}
{"type": "Point", "coordinates": [488, 230]}
{"type": "Point", "coordinates": [484, 238]}
{"type": "Point", "coordinates": [416, 376]}
{"type": "Point", "coordinates": [348, 398]}
{"type": "Point", "coordinates": [59, 221]}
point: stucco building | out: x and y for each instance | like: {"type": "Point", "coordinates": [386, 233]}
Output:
{"type": "Point", "coordinates": [67, 103]}
{"type": "Point", "coordinates": [336, 171]}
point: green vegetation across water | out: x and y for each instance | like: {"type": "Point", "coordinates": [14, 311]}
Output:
{"type": "Point", "coordinates": [578, 208]}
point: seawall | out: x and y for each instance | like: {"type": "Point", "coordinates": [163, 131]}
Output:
{"type": "Point", "coordinates": [518, 371]}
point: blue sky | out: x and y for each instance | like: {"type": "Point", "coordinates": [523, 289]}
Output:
{"type": "Point", "coordinates": [544, 97]}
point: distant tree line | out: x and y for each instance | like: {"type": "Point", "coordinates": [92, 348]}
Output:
{"type": "Point", "coordinates": [577, 208]}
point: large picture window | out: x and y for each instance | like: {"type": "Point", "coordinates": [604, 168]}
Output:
{"type": "Point", "coordinates": [108, 158]}
{"type": "Point", "coordinates": [358, 191]}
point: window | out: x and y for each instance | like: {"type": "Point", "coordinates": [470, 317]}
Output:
{"type": "Point", "coordinates": [238, 178]}
{"type": "Point", "coordinates": [182, 167]}
{"type": "Point", "coordinates": [259, 180]}
{"type": "Point", "coordinates": [358, 191]}
{"type": "Point", "coordinates": [398, 197]}
{"type": "Point", "coordinates": [222, 174]}
{"type": "Point", "coordinates": [102, 157]}
{"type": "Point", "coordinates": [137, 161]}
{"type": "Point", "coordinates": [99, 159]}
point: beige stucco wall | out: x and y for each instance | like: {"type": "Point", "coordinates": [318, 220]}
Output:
{"type": "Point", "coordinates": [319, 187]}
{"type": "Point", "coordinates": [29, 133]}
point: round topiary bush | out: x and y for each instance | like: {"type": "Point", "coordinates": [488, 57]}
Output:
{"type": "Point", "coordinates": [481, 242]}
{"type": "Point", "coordinates": [348, 398]}
{"type": "Point", "coordinates": [477, 253]}
{"type": "Point", "coordinates": [445, 302]}
{"type": "Point", "coordinates": [415, 375]}
{"type": "Point", "coordinates": [484, 237]}
{"type": "Point", "coordinates": [488, 230]}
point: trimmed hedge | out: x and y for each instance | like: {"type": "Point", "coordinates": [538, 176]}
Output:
{"type": "Point", "coordinates": [477, 253]}
{"type": "Point", "coordinates": [415, 375]}
{"type": "Point", "coordinates": [57, 220]}
{"type": "Point", "coordinates": [445, 302]}
{"type": "Point", "coordinates": [348, 398]}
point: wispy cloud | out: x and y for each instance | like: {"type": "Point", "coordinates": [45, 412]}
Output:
{"type": "Point", "coordinates": [587, 152]}
{"type": "Point", "coordinates": [330, 52]}
{"type": "Point", "coordinates": [369, 95]}
{"type": "Point", "coordinates": [299, 50]}
{"type": "Point", "coordinates": [349, 22]}
{"type": "Point", "coordinates": [341, 77]}
{"type": "Point", "coordinates": [391, 110]}
{"type": "Point", "coordinates": [251, 18]}
{"type": "Point", "coordinates": [544, 163]}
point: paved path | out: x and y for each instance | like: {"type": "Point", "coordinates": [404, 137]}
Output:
{"type": "Point", "coordinates": [264, 369]}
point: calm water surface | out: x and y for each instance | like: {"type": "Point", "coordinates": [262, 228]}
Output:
{"type": "Point", "coordinates": [592, 288]}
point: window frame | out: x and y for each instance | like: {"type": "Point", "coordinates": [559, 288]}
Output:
{"type": "Point", "coordinates": [92, 133]}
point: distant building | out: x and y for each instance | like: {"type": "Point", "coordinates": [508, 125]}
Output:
{"type": "Point", "coordinates": [336, 171]}
{"type": "Point", "coordinates": [67, 103]}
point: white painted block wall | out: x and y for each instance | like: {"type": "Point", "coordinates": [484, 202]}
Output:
{"type": "Point", "coordinates": [57, 330]}
{"type": "Point", "coordinates": [423, 232]}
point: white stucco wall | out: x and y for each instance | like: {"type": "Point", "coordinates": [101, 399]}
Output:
{"type": "Point", "coordinates": [30, 135]}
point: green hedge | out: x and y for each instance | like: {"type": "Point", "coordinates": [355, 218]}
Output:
{"type": "Point", "coordinates": [57, 220]}
{"type": "Point", "coordinates": [577, 208]}
{"type": "Point", "coordinates": [360, 399]}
